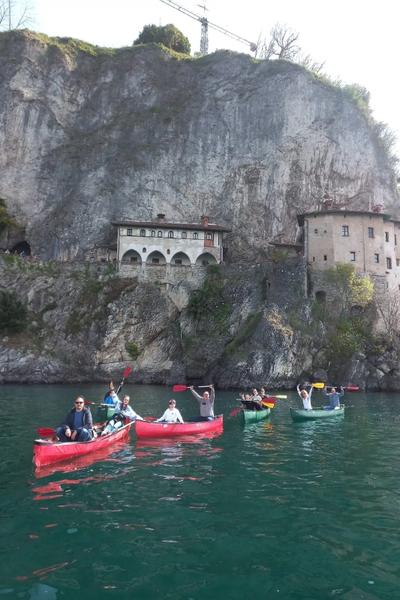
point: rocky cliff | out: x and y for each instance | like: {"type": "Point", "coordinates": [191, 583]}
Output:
{"type": "Point", "coordinates": [90, 135]}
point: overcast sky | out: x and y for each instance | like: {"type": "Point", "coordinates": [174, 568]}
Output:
{"type": "Point", "coordinates": [356, 39]}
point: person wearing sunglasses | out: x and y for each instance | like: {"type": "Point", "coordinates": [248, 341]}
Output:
{"type": "Point", "coordinates": [78, 424]}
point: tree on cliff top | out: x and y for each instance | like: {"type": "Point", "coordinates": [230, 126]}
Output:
{"type": "Point", "coordinates": [168, 35]}
{"type": "Point", "coordinates": [14, 14]}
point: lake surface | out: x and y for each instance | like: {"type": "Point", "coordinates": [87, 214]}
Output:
{"type": "Point", "coordinates": [272, 510]}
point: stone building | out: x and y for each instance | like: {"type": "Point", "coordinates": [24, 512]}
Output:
{"type": "Point", "coordinates": [161, 243]}
{"type": "Point", "coordinates": [368, 240]}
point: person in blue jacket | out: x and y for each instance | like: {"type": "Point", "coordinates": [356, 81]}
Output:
{"type": "Point", "coordinates": [78, 425]}
{"type": "Point", "coordinates": [333, 397]}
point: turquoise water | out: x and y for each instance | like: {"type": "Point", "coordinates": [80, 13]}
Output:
{"type": "Point", "coordinates": [274, 510]}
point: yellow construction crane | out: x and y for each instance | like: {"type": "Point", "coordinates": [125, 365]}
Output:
{"type": "Point", "coordinates": [205, 24]}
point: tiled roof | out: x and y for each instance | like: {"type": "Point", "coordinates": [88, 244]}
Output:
{"type": "Point", "coordinates": [168, 225]}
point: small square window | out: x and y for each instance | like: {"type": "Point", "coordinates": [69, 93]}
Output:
{"type": "Point", "coordinates": [371, 233]}
{"type": "Point", "coordinates": [386, 236]}
{"type": "Point", "coordinates": [352, 256]}
{"type": "Point", "coordinates": [376, 258]}
{"type": "Point", "coordinates": [325, 257]}
{"type": "Point", "coordinates": [315, 230]}
{"type": "Point", "coordinates": [345, 231]}
{"type": "Point", "coordinates": [129, 231]}
{"type": "Point", "coordinates": [388, 262]}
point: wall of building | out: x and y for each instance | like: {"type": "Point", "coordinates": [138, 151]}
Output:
{"type": "Point", "coordinates": [370, 242]}
{"type": "Point", "coordinates": [169, 247]}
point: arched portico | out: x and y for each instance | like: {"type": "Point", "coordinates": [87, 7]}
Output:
{"type": "Point", "coordinates": [205, 259]}
{"type": "Point", "coordinates": [180, 259]}
{"type": "Point", "coordinates": [131, 257]}
{"type": "Point", "coordinates": [156, 258]}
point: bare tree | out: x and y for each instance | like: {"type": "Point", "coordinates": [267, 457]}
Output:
{"type": "Point", "coordinates": [15, 14]}
{"type": "Point", "coordinates": [282, 44]}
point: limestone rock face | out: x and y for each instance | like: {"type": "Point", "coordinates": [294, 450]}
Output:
{"type": "Point", "coordinates": [88, 137]}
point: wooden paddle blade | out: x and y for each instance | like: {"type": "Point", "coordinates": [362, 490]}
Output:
{"type": "Point", "coordinates": [318, 385]}
{"type": "Point", "coordinates": [126, 372]}
{"type": "Point", "coordinates": [45, 431]}
{"type": "Point", "coordinates": [281, 397]}
{"type": "Point", "coordinates": [179, 388]}
{"type": "Point", "coordinates": [269, 404]}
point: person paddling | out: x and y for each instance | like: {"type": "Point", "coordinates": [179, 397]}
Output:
{"type": "Point", "coordinates": [206, 402]}
{"type": "Point", "coordinates": [123, 414]}
{"type": "Point", "coordinates": [78, 425]}
{"type": "Point", "coordinates": [305, 395]}
{"type": "Point", "coordinates": [333, 397]}
{"type": "Point", "coordinates": [111, 397]}
{"type": "Point", "coordinates": [171, 415]}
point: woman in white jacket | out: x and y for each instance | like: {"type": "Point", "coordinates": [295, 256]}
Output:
{"type": "Point", "coordinates": [171, 415]}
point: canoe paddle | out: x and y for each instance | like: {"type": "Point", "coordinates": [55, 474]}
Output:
{"type": "Point", "coordinates": [46, 431]}
{"type": "Point", "coordinates": [125, 374]}
{"type": "Point", "coordinates": [183, 388]}
{"type": "Point", "coordinates": [235, 411]}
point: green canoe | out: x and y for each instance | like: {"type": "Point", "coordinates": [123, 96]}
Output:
{"type": "Point", "coordinates": [252, 416]}
{"type": "Point", "coordinates": [301, 414]}
{"type": "Point", "coordinates": [104, 412]}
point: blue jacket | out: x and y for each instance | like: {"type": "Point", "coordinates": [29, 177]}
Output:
{"type": "Point", "coordinates": [87, 420]}
{"type": "Point", "coordinates": [334, 398]}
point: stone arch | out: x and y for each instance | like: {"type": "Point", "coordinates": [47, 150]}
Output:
{"type": "Point", "coordinates": [180, 259]}
{"type": "Point", "coordinates": [22, 248]}
{"type": "Point", "coordinates": [156, 258]}
{"type": "Point", "coordinates": [206, 259]}
{"type": "Point", "coordinates": [131, 257]}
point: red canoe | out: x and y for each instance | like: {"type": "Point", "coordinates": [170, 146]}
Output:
{"type": "Point", "coordinates": [46, 452]}
{"type": "Point", "coordinates": [145, 429]}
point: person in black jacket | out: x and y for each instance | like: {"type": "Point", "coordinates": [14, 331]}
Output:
{"type": "Point", "coordinates": [78, 425]}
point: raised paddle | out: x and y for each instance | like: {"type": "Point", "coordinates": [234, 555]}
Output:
{"type": "Point", "coordinates": [125, 374]}
{"type": "Point", "coordinates": [318, 385]}
{"type": "Point", "coordinates": [183, 388]}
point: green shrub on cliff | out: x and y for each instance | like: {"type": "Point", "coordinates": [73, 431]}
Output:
{"type": "Point", "coordinates": [13, 314]}
{"type": "Point", "coordinates": [132, 349]}
{"type": "Point", "coordinates": [168, 35]}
